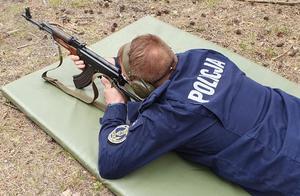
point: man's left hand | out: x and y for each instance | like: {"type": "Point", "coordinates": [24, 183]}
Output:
{"type": "Point", "coordinates": [111, 94]}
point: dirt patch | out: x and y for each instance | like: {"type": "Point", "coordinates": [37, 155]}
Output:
{"type": "Point", "coordinates": [30, 161]}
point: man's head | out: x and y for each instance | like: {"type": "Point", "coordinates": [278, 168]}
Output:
{"type": "Point", "coordinates": [147, 57]}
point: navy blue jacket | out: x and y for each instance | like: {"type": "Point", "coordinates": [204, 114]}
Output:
{"type": "Point", "coordinates": [211, 113]}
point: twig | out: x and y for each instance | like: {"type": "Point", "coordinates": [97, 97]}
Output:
{"type": "Point", "coordinates": [3, 119]}
{"type": "Point", "coordinates": [30, 44]}
{"type": "Point", "coordinates": [72, 30]}
{"type": "Point", "coordinates": [25, 45]}
{"type": "Point", "coordinates": [83, 23]}
{"type": "Point", "coordinates": [281, 55]}
{"type": "Point", "coordinates": [34, 35]}
{"type": "Point", "coordinates": [4, 116]}
{"type": "Point", "coordinates": [11, 106]}
{"type": "Point", "coordinates": [13, 31]}
{"type": "Point", "coordinates": [85, 17]}
{"type": "Point", "coordinates": [272, 2]}
{"type": "Point", "coordinates": [61, 26]}
{"type": "Point", "coordinates": [45, 2]}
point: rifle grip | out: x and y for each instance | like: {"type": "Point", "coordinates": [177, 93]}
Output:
{"type": "Point", "coordinates": [84, 78]}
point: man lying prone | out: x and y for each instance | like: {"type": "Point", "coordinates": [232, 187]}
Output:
{"type": "Point", "coordinates": [206, 110]}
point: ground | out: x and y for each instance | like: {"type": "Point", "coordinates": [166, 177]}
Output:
{"type": "Point", "coordinates": [31, 163]}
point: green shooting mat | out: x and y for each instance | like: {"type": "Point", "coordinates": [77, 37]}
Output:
{"type": "Point", "coordinates": [75, 125]}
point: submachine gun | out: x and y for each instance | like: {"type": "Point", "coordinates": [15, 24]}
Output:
{"type": "Point", "coordinates": [94, 63]}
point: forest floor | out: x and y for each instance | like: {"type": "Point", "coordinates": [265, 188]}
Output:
{"type": "Point", "coordinates": [31, 163]}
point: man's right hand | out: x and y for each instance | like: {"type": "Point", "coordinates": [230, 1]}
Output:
{"type": "Point", "coordinates": [79, 63]}
{"type": "Point", "coordinates": [111, 94]}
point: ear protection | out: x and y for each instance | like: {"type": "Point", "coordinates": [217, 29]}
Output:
{"type": "Point", "coordinates": [139, 86]}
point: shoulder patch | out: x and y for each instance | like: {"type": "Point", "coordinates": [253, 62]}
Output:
{"type": "Point", "coordinates": [118, 135]}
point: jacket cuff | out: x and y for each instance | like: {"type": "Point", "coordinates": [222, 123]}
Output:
{"type": "Point", "coordinates": [115, 112]}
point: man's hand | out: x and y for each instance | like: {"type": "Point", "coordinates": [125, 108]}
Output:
{"type": "Point", "coordinates": [79, 63]}
{"type": "Point", "coordinates": [111, 94]}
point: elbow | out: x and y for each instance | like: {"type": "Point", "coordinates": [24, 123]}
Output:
{"type": "Point", "coordinates": [113, 165]}
{"type": "Point", "coordinates": [109, 169]}
{"type": "Point", "coordinates": [110, 173]}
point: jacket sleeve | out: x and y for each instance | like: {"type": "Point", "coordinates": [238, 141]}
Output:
{"type": "Point", "coordinates": [155, 132]}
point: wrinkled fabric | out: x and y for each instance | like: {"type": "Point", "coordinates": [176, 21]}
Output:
{"type": "Point", "coordinates": [211, 113]}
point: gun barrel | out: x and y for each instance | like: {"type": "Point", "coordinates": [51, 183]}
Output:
{"type": "Point", "coordinates": [56, 32]}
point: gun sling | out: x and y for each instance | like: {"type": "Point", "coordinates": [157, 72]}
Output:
{"type": "Point", "coordinates": [75, 93]}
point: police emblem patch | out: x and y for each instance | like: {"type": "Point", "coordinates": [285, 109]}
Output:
{"type": "Point", "coordinates": [119, 134]}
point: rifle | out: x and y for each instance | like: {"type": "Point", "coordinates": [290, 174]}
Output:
{"type": "Point", "coordinates": [94, 63]}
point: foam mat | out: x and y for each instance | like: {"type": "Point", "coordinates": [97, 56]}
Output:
{"type": "Point", "coordinates": [75, 125]}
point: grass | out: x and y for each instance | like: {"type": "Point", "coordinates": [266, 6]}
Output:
{"type": "Point", "coordinates": [79, 3]}
{"type": "Point", "coordinates": [11, 11]}
{"type": "Point", "coordinates": [270, 52]}
{"type": "Point", "coordinates": [282, 29]}
{"type": "Point", "coordinates": [98, 186]}
{"type": "Point", "coordinates": [2, 128]}
{"type": "Point", "coordinates": [54, 3]}
{"type": "Point", "coordinates": [211, 3]}
{"type": "Point", "coordinates": [252, 37]}
{"type": "Point", "coordinates": [73, 3]}
{"type": "Point", "coordinates": [243, 45]}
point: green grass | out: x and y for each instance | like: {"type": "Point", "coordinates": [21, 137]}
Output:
{"type": "Point", "coordinates": [54, 3]}
{"type": "Point", "coordinates": [79, 3]}
{"type": "Point", "coordinates": [270, 52]}
{"type": "Point", "coordinates": [97, 186]}
{"type": "Point", "coordinates": [243, 45]}
{"type": "Point", "coordinates": [13, 9]}
{"type": "Point", "coordinates": [252, 37]}
{"type": "Point", "coordinates": [282, 29]}
{"type": "Point", "coordinates": [211, 3]}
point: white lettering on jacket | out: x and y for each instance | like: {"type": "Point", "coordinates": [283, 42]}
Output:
{"type": "Point", "coordinates": [207, 81]}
